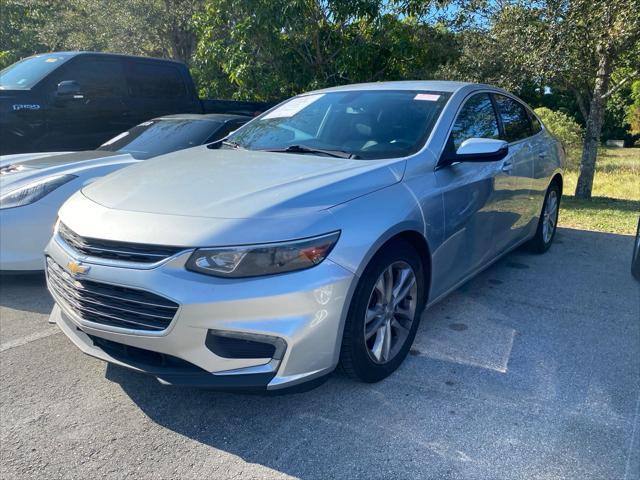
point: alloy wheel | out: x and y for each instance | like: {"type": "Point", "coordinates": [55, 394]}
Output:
{"type": "Point", "coordinates": [390, 312]}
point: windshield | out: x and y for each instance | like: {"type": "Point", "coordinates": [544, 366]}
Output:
{"type": "Point", "coordinates": [360, 124]}
{"type": "Point", "coordinates": [26, 73]}
{"type": "Point", "coordinates": [157, 137]}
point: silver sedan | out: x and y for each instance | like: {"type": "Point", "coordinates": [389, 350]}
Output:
{"type": "Point", "coordinates": [313, 236]}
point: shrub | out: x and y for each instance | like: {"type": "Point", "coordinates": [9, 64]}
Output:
{"type": "Point", "coordinates": [566, 129]}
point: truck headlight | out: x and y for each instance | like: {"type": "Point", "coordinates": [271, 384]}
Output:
{"type": "Point", "coordinates": [32, 192]}
{"type": "Point", "coordinates": [266, 259]}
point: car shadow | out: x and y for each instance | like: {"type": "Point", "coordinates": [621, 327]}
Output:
{"type": "Point", "coordinates": [439, 408]}
{"type": "Point", "coordinates": [25, 292]}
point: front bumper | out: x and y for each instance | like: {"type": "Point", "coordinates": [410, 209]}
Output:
{"type": "Point", "coordinates": [305, 309]}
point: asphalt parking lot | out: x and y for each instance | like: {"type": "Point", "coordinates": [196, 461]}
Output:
{"type": "Point", "coordinates": [531, 370]}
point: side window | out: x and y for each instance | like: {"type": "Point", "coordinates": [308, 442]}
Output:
{"type": "Point", "coordinates": [535, 124]}
{"type": "Point", "coordinates": [97, 78]}
{"type": "Point", "coordinates": [515, 119]}
{"type": "Point", "coordinates": [477, 119]}
{"type": "Point", "coordinates": [153, 80]}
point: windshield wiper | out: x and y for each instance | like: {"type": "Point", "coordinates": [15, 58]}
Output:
{"type": "Point", "coordinates": [305, 149]}
{"type": "Point", "coordinates": [229, 143]}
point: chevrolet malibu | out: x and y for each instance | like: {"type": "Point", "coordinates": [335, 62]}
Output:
{"type": "Point", "coordinates": [313, 236]}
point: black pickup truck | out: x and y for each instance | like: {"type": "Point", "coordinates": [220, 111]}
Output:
{"type": "Point", "coordinates": [77, 100]}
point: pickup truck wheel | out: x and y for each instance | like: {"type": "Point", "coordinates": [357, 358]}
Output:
{"type": "Point", "coordinates": [384, 314]}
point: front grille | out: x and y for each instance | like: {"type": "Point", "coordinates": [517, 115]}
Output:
{"type": "Point", "coordinates": [130, 252]}
{"type": "Point", "coordinates": [110, 304]}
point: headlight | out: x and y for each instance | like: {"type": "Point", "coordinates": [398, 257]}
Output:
{"type": "Point", "coordinates": [33, 192]}
{"type": "Point", "coordinates": [266, 259]}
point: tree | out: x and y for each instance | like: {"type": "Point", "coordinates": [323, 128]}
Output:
{"type": "Point", "coordinates": [571, 45]}
{"type": "Point", "coordinates": [272, 49]}
{"type": "Point", "coordinates": [20, 22]}
{"type": "Point", "coordinates": [160, 28]}
{"type": "Point", "coordinates": [633, 111]}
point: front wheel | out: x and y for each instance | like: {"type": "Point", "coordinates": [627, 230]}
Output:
{"type": "Point", "coordinates": [548, 222]}
{"type": "Point", "coordinates": [384, 313]}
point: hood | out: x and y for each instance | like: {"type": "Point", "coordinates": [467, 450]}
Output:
{"type": "Point", "coordinates": [17, 158]}
{"type": "Point", "coordinates": [200, 182]}
{"type": "Point", "coordinates": [20, 171]}
{"type": "Point", "coordinates": [50, 159]}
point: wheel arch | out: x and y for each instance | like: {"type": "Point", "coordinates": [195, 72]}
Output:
{"type": "Point", "coordinates": [417, 240]}
{"type": "Point", "coordinates": [557, 179]}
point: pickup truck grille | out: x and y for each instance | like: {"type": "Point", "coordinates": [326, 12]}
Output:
{"type": "Point", "coordinates": [109, 304]}
{"type": "Point", "coordinates": [129, 252]}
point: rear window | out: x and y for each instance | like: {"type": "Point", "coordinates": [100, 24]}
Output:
{"type": "Point", "coordinates": [153, 80]}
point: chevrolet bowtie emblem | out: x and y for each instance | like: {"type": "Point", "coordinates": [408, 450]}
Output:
{"type": "Point", "coordinates": [77, 268]}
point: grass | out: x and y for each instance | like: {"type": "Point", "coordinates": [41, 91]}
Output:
{"type": "Point", "coordinates": [615, 205]}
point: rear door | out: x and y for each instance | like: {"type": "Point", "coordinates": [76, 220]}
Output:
{"type": "Point", "coordinates": [543, 164]}
{"type": "Point", "coordinates": [469, 195]}
{"type": "Point", "coordinates": [512, 208]}
{"type": "Point", "coordinates": [157, 89]}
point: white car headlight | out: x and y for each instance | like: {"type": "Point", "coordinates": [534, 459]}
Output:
{"type": "Point", "coordinates": [265, 259]}
{"type": "Point", "coordinates": [33, 192]}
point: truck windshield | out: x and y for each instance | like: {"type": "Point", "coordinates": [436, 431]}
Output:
{"type": "Point", "coordinates": [26, 73]}
{"type": "Point", "coordinates": [157, 137]}
{"type": "Point", "coordinates": [362, 124]}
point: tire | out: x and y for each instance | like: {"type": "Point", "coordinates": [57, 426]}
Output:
{"type": "Point", "coordinates": [357, 354]}
{"type": "Point", "coordinates": [635, 259]}
{"type": "Point", "coordinates": [543, 239]}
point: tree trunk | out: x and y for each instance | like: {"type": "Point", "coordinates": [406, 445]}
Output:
{"type": "Point", "coordinates": [594, 124]}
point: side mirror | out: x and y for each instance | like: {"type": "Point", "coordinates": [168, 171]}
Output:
{"type": "Point", "coordinates": [69, 89]}
{"type": "Point", "coordinates": [481, 150]}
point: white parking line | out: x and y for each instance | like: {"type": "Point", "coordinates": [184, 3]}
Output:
{"type": "Point", "coordinates": [18, 342]}
{"type": "Point", "coordinates": [633, 437]}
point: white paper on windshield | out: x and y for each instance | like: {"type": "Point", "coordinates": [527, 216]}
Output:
{"type": "Point", "coordinates": [427, 97]}
{"type": "Point", "coordinates": [292, 107]}
{"type": "Point", "coordinates": [115, 139]}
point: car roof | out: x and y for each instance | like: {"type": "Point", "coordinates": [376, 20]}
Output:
{"type": "Point", "coordinates": [107, 54]}
{"type": "Point", "coordinates": [429, 85]}
{"type": "Point", "coordinates": [217, 117]}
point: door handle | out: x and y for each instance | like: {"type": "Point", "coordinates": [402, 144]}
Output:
{"type": "Point", "coordinates": [507, 166]}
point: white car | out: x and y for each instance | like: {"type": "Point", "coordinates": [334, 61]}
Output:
{"type": "Point", "coordinates": [34, 186]}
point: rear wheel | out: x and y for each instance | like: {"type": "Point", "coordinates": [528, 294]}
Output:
{"type": "Point", "coordinates": [548, 222]}
{"type": "Point", "coordinates": [384, 313]}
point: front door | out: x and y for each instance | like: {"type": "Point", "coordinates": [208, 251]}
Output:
{"type": "Point", "coordinates": [469, 195]}
{"type": "Point", "coordinates": [85, 121]}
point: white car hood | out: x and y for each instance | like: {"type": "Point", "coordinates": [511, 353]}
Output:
{"type": "Point", "coordinates": [16, 158]}
{"type": "Point", "coordinates": [235, 184]}
{"type": "Point", "coordinates": [76, 163]}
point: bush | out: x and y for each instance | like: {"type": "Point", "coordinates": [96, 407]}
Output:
{"type": "Point", "coordinates": [566, 129]}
